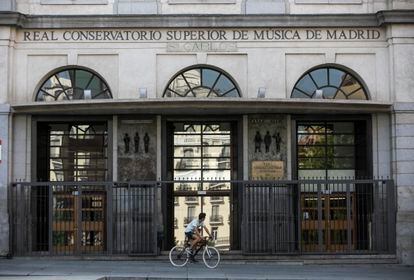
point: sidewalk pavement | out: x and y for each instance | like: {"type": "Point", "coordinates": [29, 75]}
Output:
{"type": "Point", "coordinates": [59, 269]}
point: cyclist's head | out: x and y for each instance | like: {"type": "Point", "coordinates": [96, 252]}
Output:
{"type": "Point", "coordinates": [202, 216]}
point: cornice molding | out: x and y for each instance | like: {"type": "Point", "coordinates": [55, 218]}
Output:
{"type": "Point", "coordinates": [209, 106]}
{"type": "Point", "coordinates": [12, 19]}
{"type": "Point", "coordinates": [205, 21]}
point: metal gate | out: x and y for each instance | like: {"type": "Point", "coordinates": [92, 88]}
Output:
{"type": "Point", "coordinates": [74, 218]}
{"type": "Point", "coordinates": [319, 216]}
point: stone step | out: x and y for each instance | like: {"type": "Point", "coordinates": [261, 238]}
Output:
{"type": "Point", "coordinates": [238, 258]}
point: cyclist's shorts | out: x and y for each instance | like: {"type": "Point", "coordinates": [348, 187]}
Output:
{"type": "Point", "coordinates": [189, 235]}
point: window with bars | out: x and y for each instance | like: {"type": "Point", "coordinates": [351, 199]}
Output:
{"type": "Point", "coordinates": [202, 152]}
{"type": "Point", "coordinates": [329, 83]}
{"type": "Point", "coordinates": [73, 84]}
{"type": "Point", "coordinates": [78, 152]}
{"type": "Point", "coordinates": [202, 82]}
{"type": "Point", "coordinates": [326, 149]}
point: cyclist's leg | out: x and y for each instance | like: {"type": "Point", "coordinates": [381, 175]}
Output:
{"type": "Point", "coordinates": [189, 240]}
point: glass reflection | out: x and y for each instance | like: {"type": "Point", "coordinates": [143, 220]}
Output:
{"type": "Point", "coordinates": [77, 152]}
{"type": "Point", "coordinates": [202, 153]}
{"type": "Point", "coordinates": [217, 208]}
{"type": "Point", "coordinates": [201, 82]}
{"type": "Point", "coordinates": [334, 84]}
{"type": "Point", "coordinates": [209, 77]}
{"type": "Point", "coordinates": [71, 84]}
{"type": "Point", "coordinates": [328, 147]}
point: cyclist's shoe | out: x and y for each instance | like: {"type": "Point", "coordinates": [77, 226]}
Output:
{"type": "Point", "coordinates": [193, 260]}
{"type": "Point", "coordinates": [189, 251]}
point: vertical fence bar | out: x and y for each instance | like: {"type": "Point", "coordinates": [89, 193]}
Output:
{"type": "Point", "coordinates": [391, 210]}
{"type": "Point", "coordinates": [272, 217]}
{"type": "Point", "coordinates": [299, 215]}
{"type": "Point", "coordinates": [154, 218]}
{"type": "Point", "coordinates": [79, 225]}
{"type": "Point", "coordinates": [244, 226]}
{"type": "Point", "coordinates": [376, 217]}
{"type": "Point", "coordinates": [320, 232]}
{"type": "Point", "coordinates": [18, 221]}
{"type": "Point", "coordinates": [109, 218]}
{"type": "Point", "coordinates": [129, 220]}
{"type": "Point", "coordinates": [348, 217]}
{"type": "Point", "coordinates": [50, 219]}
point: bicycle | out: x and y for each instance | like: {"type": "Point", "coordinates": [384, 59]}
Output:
{"type": "Point", "coordinates": [179, 255]}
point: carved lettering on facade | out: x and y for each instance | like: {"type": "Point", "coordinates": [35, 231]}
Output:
{"type": "Point", "coordinates": [202, 47]}
{"type": "Point", "coordinates": [192, 37]}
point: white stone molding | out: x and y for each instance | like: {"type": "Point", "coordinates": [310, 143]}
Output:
{"type": "Point", "coordinates": [336, 2]}
{"type": "Point", "coordinates": [73, 2]}
{"type": "Point", "coordinates": [204, 2]}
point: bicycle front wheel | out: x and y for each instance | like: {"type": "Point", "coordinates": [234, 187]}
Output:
{"type": "Point", "coordinates": [178, 256]}
{"type": "Point", "coordinates": [211, 257]}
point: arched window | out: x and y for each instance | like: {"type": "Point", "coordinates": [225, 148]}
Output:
{"type": "Point", "coordinates": [71, 84]}
{"type": "Point", "coordinates": [201, 82]}
{"type": "Point", "coordinates": [329, 83]}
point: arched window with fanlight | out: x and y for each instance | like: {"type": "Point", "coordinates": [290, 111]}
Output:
{"type": "Point", "coordinates": [201, 81]}
{"type": "Point", "coordinates": [329, 83]}
{"type": "Point", "coordinates": [73, 84]}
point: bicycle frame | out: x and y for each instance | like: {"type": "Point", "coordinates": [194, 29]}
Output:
{"type": "Point", "coordinates": [207, 254]}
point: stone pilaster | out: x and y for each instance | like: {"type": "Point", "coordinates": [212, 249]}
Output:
{"type": "Point", "coordinates": [401, 40]}
{"type": "Point", "coordinates": [4, 217]}
{"type": "Point", "coordinates": [403, 173]}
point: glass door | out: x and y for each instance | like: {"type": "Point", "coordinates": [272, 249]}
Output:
{"type": "Point", "coordinates": [73, 152]}
{"type": "Point", "coordinates": [202, 168]}
{"type": "Point", "coordinates": [330, 150]}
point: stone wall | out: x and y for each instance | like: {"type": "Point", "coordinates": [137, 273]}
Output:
{"type": "Point", "coordinates": [402, 54]}
{"type": "Point", "coordinates": [137, 156]}
{"type": "Point", "coordinates": [267, 140]}
{"type": "Point", "coordinates": [403, 171]}
{"type": "Point", "coordinates": [4, 217]}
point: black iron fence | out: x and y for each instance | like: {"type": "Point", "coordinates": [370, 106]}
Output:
{"type": "Point", "coordinates": [319, 216]}
{"type": "Point", "coordinates": [72, 218]}
{"type": "Point", "coordinates": [278, 217]}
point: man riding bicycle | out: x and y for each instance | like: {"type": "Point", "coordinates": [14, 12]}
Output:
{"type": "Point", "coordinates": [192, 232]}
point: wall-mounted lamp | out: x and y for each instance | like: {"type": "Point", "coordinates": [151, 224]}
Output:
{"type": "Point", "coordinates": [87, 94]}
{"type": "Point", "coordinates": [318, 94]}
{"type": "Point", "coordinates": [261, 93]}
{"type": "Point", "coordinates": [143, 93]}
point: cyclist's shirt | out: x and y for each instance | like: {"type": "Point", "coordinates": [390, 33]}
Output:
{"type": "Point", "coordinates": [191, 227]}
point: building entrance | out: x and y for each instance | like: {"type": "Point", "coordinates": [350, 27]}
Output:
{"type": "Point", "coordinates": [71, 152]}
{"type": "Point", "coordinates": [201, 164]}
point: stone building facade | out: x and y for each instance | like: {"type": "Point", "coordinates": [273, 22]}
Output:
{"type": "Point", "coordinates": [263, 72]}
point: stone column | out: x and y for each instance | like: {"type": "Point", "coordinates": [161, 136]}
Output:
{"type": "Point", "coordinates": [4, 217]}
{"type": "Point", "coordinates": [401, 40]}
{"type": "Point", "coordinates": [5, 51]}
{"type": "Point", "coordinates": [403, 173]}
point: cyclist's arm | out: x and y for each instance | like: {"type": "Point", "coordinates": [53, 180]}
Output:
{"type": "Point", "coordinates": [197, 232]}
{"type": "Point", "coordinates": [208, 232]}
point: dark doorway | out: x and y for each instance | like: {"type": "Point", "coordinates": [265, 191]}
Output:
{"type": "Point", "coordinates": [71, 152]}
{"type": "Point", "coordinates": [202, 159]}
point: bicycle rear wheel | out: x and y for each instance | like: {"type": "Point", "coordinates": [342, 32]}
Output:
{"type": "Point", "coordinates": [211, 257]}
{"type": "Point", "coordinates": [178, 256]}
